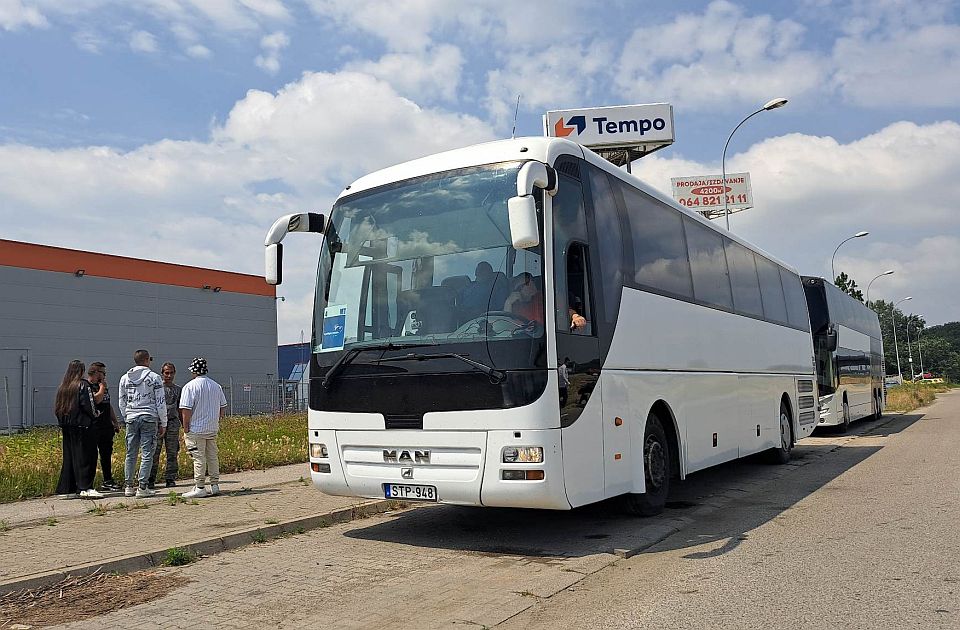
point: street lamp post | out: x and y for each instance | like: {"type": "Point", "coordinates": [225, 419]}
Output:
{"type": "Point", "coordinates": [896, 349]}
{"type": "Point", "coordinates": [885, 273]}
{"type": "Point", "coordinates": [909, 349]}
{"type": "Point", "coordinates": [920, 351]}
{"type": "Point", "coordinates": [834, 271]}
{"type": "Point", "coordinates": [773, 104]}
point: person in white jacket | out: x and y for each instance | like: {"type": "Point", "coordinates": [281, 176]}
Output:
{"type": "Point", "coordinates": [144, 411]}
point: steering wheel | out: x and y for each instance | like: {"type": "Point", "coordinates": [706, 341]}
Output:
{"type": "Point", "coordinates": [524, 326]}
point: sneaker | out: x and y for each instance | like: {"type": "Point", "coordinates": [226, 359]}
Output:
{"type": "Point", "coordinates": [151, 485]}
{"type": "Point", "coordinates": [129, 491]}
{"type": "Point", "coordinates": [110, 486]}
{"type": "Point", "coordinates": [198, 492]}
{"type": "Point", "coordinates": [143, 493]}
{"type": "Point", "coordinates": [90, 494]}
{"type": "Point", "coordinates": [171, 483]}
{"type": "Point", "coordinates": [214, 489]}
{"type": "Point", "coordinates": [69, 495]}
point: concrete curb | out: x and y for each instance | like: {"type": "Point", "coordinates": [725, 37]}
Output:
{"type": "Point", "coordinates": [203, 547]}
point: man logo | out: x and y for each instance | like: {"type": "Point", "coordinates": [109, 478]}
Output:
{"type": "Point", "coordinates": [406, 473]}
{"type": "Point", "coordinates": [397, 456]}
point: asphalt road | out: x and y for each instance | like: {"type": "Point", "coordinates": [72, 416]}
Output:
{"type": "Point", "coordinates": [860, 531]}
{"type": "Point", "coordinates": [874, 547]}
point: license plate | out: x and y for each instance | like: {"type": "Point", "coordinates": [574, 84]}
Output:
{"type": "Point", "coordinates": [409, 492]}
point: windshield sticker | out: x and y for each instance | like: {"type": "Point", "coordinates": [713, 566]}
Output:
{"type": "Point", "coordinates": [334, 328]}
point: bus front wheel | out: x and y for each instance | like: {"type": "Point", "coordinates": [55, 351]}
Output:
{"type": "Point", "coordinates": [656, 471]}
{"type": "Point", "coordinates": [781, 454]}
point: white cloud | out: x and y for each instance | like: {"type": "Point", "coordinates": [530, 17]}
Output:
{"type": "Point", "coordinates": [906, 68]}
{"type": "Point", "coordinates": [191, 202]}
{"type": "Point", "coordinates": [271, 45]}
{"type": "Point", "coordinates": [89, 41]}
{"type": "Point", "coordinates": [143, 41]}
{"type": "Point", "coordinates": [14, 15]}
{"type": "Point", "coordinates": [198, 51]}
{"type": "Point", "coordinates": [559, 76]}
{"type": "Point", "coordinates": [812, 192]}
{"type": "Point", "coordinates": [432, 74]}
{"type": "Point", "coordinates": [718, 58]}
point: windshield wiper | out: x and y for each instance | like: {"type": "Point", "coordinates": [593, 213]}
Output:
{"type": "Point", "coordinates": [347, 358]}
{"type": "Point", "coordinates": [496, 376]}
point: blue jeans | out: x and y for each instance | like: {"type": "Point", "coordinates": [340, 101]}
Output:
{"type": "Point", "coordinates": [142, 434]}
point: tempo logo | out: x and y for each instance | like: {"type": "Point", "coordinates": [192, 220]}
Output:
{"type": "Point", "coordinates": [641, 126]}
{"type": "Point", "coordinates": [563, 131]}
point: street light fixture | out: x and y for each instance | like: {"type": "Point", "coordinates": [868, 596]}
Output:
{"type": "Point", "coordinates": [885, 273]}
{"type": "Point", "coordinates": [857, 235]}
{"type": "Point", "coordinates": [772, 104]}
{"type": "Point", "coordinates": [896, 349]}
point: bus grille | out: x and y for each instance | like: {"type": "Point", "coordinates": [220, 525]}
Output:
{"type": "Point", "coordinates": [403, 422]}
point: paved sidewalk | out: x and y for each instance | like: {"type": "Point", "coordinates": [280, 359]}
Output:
{"type": "Point", "coordinates": [48, 537]}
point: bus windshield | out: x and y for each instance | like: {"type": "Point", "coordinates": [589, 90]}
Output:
{"type": "Point", "coordinates": [427, 261]}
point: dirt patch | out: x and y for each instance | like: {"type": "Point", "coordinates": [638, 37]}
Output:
{"type": "Point", "coordinates": [78, 598]}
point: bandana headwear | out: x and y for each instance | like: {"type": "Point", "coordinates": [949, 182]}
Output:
{"type": "Point", "coordinates": [198, 365]}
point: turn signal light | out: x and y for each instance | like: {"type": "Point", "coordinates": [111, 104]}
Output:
{"type": "Point", "coordinates": [522, 475]}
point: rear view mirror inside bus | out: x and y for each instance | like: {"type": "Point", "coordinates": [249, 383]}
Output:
{"type": "Point", "coordinates": [523, 221]}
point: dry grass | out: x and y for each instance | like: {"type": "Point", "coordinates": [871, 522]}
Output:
{"type": "Point", "coordinates": [910, 396]}
{"type": "Point", "coordinates": [30, 461]}
{"type": "Point", "coordinates": [78, 598]}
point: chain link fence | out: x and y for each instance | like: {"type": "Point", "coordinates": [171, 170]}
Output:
{"type": "Point", "coordinates": [243, 399]}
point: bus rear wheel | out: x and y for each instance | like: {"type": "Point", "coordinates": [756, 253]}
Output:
{"type": "Point", "coordinates": [781, 454]}
{"type": "Point", "coordinates": [656, 471]}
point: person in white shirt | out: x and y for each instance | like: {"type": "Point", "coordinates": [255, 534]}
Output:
{"type": "Point", "coordinates": [202, 405]}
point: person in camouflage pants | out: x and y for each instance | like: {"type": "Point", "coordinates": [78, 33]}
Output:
{"type": "Point", "coordinates": [171, 440]}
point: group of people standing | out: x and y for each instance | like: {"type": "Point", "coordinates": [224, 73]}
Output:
{"type": "Point", "coordinates": [153, 409]}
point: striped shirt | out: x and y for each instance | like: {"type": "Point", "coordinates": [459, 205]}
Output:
{"type": "Point", "coordinates": [204, 397]}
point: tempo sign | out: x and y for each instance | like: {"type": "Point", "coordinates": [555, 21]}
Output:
{"type": "Point", "coordinates": [706, 193]}
{"type": "Point", "coordinates": [610, 127]}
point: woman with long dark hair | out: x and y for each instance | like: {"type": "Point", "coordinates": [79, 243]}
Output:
{"type": "Point", "coordinates": [75, 410]}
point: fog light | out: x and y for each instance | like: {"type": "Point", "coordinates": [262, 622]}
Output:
{"type": "Point", "coordinates": [319, 468]}
{"type": "Point", "coordinates": [319, 450]}
{"type": "Point", "coordinates": [512, 475]}
{"type": "Point", "coordinates": [522, 454]}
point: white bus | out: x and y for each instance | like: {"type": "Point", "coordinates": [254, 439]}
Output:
{"type": "Point", "coordinates": [849, 351]}
{"type": "Point", "coordinates": [521, 323]}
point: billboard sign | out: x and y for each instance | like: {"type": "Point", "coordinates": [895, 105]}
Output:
{"type": "Point", "coordinates": [611, 127]}
{"type": "Point", "coordinates": [705, 193]}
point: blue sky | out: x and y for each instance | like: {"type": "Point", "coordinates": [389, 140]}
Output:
{"type": "Point", "coordinates": [182, 128]}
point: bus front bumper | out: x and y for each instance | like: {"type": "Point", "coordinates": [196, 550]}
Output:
{"type": "Point", "coordinates": [463, 467]}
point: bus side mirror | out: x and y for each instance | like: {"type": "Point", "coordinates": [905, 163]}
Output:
{"type": "Point", "coordinates": [524, 231]}
{"type": "Point", "coordinates": [273, 263]}
{"type": "Point", "coordinates": [832, 339]}
{"type": "Point", "coordinates": [273, 254]}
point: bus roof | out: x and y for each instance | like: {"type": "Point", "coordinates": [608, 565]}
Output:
{"type": "Point", "coordinates": [543, 149]}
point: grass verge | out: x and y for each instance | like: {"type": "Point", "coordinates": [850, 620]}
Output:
{"type": "Point", "coordinates": [910, 396]}
{"type": "Point", "coordinates": [30, 461]}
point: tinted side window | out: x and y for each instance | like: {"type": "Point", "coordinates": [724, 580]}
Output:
{"type": "Point", "coordinates": [743, 277]}
{"type": "Point", "coordinates": [569, 229]}
{"type": "Point", "coordinates": [659, 250]}
{"type": "Point", "coordinates": [774, 306]}
{"type": "Point", "coordinates": [796, 302]}
{"type": "Point", "coordinates": [708, 265]}
{"type": "Point", "coordinates": [610, 245]}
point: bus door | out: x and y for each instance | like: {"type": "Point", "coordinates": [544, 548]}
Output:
{"type": "Point", "coordinates": [578, 349]}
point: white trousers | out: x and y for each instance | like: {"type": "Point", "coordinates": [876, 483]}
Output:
{"type": "Point", "coordinates": [202, 447]}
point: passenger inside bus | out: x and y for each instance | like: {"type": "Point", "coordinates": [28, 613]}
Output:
{"type": "Point", "coordinates": [487, 293]}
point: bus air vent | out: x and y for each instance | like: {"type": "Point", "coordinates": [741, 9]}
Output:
{"type": "Point", "coordinates": [403, 422]}
{"type": "Point", "coordinates": [804, 387]}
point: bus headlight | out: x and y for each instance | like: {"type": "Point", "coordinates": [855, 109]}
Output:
{"type": "Point", "coordinates": [522, 454]}
{"type": "Point", "coordinates": [318, 450]}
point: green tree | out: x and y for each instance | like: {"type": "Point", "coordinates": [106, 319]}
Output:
{"type": "Point", "coordinates": [849, 286]}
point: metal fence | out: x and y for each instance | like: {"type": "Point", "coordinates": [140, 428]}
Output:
{"type": "Point", "coordinates": [243, 399]}
{"type": "Point", "coordinates": [249, 399]}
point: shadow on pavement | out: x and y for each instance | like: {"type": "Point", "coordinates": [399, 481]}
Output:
{"type": "Point", "coordinates": [604, 528]}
